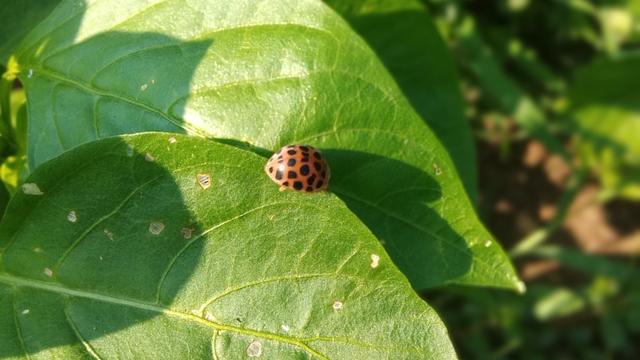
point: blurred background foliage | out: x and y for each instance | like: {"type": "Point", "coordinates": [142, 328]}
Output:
{"type": "Point", "coordinates": [552, 91]}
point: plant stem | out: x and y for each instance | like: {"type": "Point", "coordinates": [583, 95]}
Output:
{"type": "Point", "coordinates": [539, 236]}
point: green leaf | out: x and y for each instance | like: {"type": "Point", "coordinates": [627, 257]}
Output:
{"type": "Point", "coordinates": [589, 263]}
{"type": "Point", "coordinates": [4, 198]}
{"type": "Point", "coordinates": [605, 107]}
{"type": "Point", "coordinates": [267, 73]}
{"type": "Point", "coordinates": [17, 18]}
{"type": "Point", "coordinates": [404, 37]}
{"type": "Point", "coordinates": [5, 113]}
{"type": "Point", "coordinates": [114, 249]}
{"type": "Point", "coordinates": [561, 302]}
{"type": "Point", "coordinates": [19, 119]}
{"type": "Point", "coordinates": [13, 169]}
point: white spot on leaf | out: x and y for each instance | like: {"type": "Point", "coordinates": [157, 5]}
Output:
{"type": "Point", "coordinates": [31, 189]}
{"type": "Point", "coordinates": [149, 157]}
{"type": "Point", "coordinates": [109, 234]}
{"type": "Point", "coordinates": [186, 233]}
{"type": "Point", "coordinates": [30, 73]}
{"type": "Point", "coordinates": [37, 250]}
{"type": "Point", "coordinates": [156, 228]}
{"type": "Point", "coordinates": [209, 316]}
{"type": "Point", "coordinates": [285, 327]}
{"type": "Point", "coordinates": [375, 260]}
{"type": "Point", "coordinates": [144, 87]}
{"type": "Point", "coordinates": [204, 180]}
{"type": "Point", "coordinates": [172, 140]}
{"type": "Point", "coordinates": [25, 311]}
{"type": "Point", "coordinates": [72, 217]}
{"type": "Point", "coordinates": [437, 170]}
{"type": "Point", "coordinates": [48, 272]}
{"type": "Point", "coordinates": [337, 305]}
{"type": "Point", "coordinates": [254, 349]}
{"type": "Point", "coordinates": [487, 243]}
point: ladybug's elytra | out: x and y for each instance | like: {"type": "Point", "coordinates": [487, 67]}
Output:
{"type": "Point", "coordinates": [299, 167]}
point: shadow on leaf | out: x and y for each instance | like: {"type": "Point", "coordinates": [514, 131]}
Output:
{"type": "Point", "coordinates": [105, 232]}
{"type": "Point", "coordinates": [106, 80]}
{"type": "Point", "coordinates": [110, 220]}
{"type": "Point", "coordinates": [393, 199]}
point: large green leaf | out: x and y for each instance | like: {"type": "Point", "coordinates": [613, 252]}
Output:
{"type": "Point", "coordinates": [115, 250]}
{"type": "Point", "coordinates": [17, 18]}
{"type": "Point", "coordinates": [605, 106]}
{"type": "Point", "coordinates": [403, 35]}
{"type": "Point", "coordinates": [267, 73]}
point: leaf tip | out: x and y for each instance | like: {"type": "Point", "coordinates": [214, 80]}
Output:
{"type": "Point", "coordinates": [521, 288]}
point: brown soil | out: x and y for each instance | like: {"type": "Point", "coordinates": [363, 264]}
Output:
{"type": "Point", "coordinates": [519, 192]}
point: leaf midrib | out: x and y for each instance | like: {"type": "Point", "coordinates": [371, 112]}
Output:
{"type": "Point", "coordinates": [16, 281]}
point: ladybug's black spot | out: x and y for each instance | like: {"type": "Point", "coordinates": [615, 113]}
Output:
{"type": "Point", "coordinates": [317, 165]}
{"type": "Point", "coordinates": [280, 157]}
{"type": "Point", "coordinates": [286, 183]}
{"type": "Point", "coordinates": [304, 170]}
{"type": "Point", "coordinates": [270, 170]}
{"type": "Point", "coordinates": [323, 174]}
{"type": "Point", "coordinates": [319, 184]}
{"type": "Point", "coordinates": [311, 179]}
{"type": "Point", "coordinates": [291, 146]}
{"type": "Point", "coordinates": [292, 174]}
{"type": "Point", "coordinates": [309, 188]}
{"type": "Point", "coordinates": [304, 148]}
{"type": "Point", "coordinates": [297, 185]}
{"type": "Point", "coordinates": [305, 159]}
{"type": "Point", "coordinates": [279, 174]}
{"type": "Point", "coordinates": [291, 162]}
{"type": "Point", "coordinates": [291, 152]}
{"type": "Point", "coordinates": [317, 155]}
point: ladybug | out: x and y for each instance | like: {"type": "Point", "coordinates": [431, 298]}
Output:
{"type": "Point", "coordinates": [299, 167]}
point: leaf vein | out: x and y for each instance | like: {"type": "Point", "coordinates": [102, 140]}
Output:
{"type": "Point", "coordinates": [75, 329]}
{"type": "Point", "coordinates": [292, 277]}
{"type": "Point", "coordinates": [90, 89]}
{"type": "Point", "coordinates": [101, 220]}
{"type": "Point", "coordinates": [17, 324]}
{"type": "Point", "coordinates": [397, 217]}
{"type": "Point", "coordinates": [188, 245]}
{"type": "Point", "coordinates": [155, 308]}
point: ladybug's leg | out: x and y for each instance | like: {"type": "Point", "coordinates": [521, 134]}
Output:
{"type": "Point", "coordinates": [282, 188]}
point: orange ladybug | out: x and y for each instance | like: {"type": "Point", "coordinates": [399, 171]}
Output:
{"type": "Point", "coordinates": [299, 167]}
